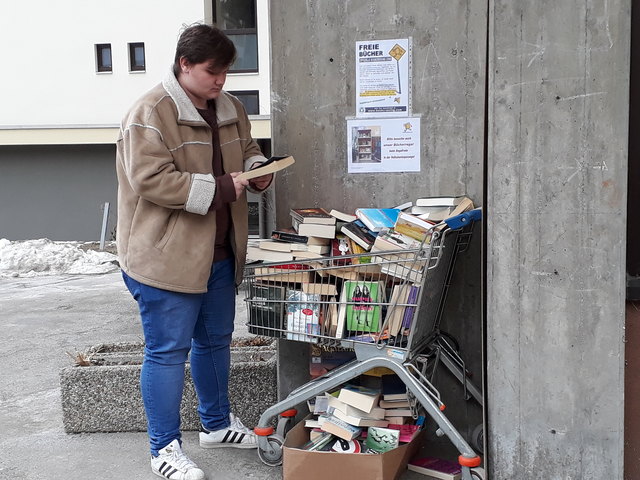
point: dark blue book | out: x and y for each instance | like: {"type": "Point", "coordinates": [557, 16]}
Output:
{"type": "Point", "coordinates": [359, 233]}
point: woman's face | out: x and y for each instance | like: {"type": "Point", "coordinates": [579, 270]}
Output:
{"type": "Point", "coordinates": [202, 81]}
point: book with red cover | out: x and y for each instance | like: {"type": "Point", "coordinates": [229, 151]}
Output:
{"type": "Point", "coordinates": [436, 467]}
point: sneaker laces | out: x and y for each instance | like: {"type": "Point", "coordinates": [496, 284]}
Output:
{"type": "Point", "coordinates": [236, 424]}
{"type": "Point", "coordinates": [180, 461]}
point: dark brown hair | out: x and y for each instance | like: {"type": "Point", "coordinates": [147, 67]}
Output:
{"type": "Point", "coordinates": [200, 43]}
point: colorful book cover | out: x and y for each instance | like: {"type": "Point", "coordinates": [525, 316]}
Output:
{"type": "Point", "coordinates": [382, 439]}
{"type": "Point", "coordinates": [377, 219]}
{"type": "Point", "coordinates": [363, 309]}
{"type": "Point", "coordinates": [359, 233]}
{"type": "Point", "coordinates": [303, 316]}
{"type": "Point", "coordinates": [410, 310]}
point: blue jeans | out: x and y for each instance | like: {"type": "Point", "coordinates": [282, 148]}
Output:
{"type": "Point", "coordinates": [174, 323]}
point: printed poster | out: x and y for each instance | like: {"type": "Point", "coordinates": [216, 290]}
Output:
{"type": "Point", "coordinates": [382, 78]}
{"type": "Point", "coordinates": [383, 145]}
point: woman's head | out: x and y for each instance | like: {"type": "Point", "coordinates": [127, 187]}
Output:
{"type": "Point", "coordinates": [201, 43]}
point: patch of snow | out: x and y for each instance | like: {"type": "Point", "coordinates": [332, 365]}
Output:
{"type": "Point", "coordinates": [30, 258]}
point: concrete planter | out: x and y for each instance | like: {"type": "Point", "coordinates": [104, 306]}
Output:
{"type": "Point", "coordinates": [104, 396]}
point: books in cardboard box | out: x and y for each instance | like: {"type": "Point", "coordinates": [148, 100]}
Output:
{"type": "Point", "coordinates": [377, 219]}
{"type": "Point", "coordinates": [436, 468]}
{"type": "Point", "coordinates": [363, 308]}
{"type": "Point", "coordinates": [362, 398]}
{"type": "Point", "coordinates": [340, 428]}
{"type": "Point", "coordinates": [382, 439]}
{"type": "Point", "coordinates": [312, 215]}
{"type": "Point", "coordinates": [303, 316]}
{"type": "Point", "coordinates": [266, 309]}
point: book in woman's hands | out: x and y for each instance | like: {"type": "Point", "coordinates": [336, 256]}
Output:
{"type": "Point", "coordinates": [272, 165]}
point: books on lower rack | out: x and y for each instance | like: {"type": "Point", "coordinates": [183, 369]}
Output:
{"type": "Point", "coordinates": [363, 398]}
{"type": "Point", "coordinates": [340, 428]}
{"type": "Point", "coordinates": [376, 413]}
{"type": "Point", "coordinates": [381, 439]}
{"type": "Point", "coordinates": [393, 388]}
{"type": "Point", "coordinates": [436, 467]}
{"type": "Point", "coordinates": [272, 165]}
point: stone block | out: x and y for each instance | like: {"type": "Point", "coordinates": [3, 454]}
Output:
{"type": "Point", "coordinates": [104, 394]}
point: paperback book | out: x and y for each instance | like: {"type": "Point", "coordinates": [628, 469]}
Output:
{"type": "Point", "coordinates": [363, 309]}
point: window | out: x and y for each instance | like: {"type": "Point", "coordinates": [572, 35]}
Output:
{"type": "Point", "coordinates": [250, 99]}
{"type": "Point", "coordinates": [136, 57]}
{"type": "Point", "coordinates": [238, 20]}
{"type": "Point", "coordinates": [103, 57]}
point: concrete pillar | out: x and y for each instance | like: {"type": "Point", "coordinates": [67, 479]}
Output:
{"type": "Point", "coordinates": [556, 190]}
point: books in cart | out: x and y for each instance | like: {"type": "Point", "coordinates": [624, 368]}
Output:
{"type": "Point", "coordinates": [266, 309]}
{"type": "Point", "coordinates": [303, 316]}
{"type": "Point", "coordinates": [377, 219]}
{"type": "Point", "coordinates": [312, 215]}
{"type": "Point", "coordinates": [363, 309]}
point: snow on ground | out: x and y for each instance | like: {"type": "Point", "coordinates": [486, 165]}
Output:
{"type": "Point", "coordinates": [31, 258]}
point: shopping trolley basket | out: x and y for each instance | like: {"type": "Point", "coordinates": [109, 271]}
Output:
{"type": "Point", "coordinates": [384, 305]}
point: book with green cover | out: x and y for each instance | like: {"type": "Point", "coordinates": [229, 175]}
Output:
{"type": "Point", "coordinates": [363, 309]}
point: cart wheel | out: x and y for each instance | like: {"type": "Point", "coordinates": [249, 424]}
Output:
{"type": "Point", "coordinates": [477, 438]}
{"type": "Point", "coordinates": [284, 425]}
{"type": "Point", "coordinates": [272, 456]}
{"type": "Point", "coordinates": [478, 473]}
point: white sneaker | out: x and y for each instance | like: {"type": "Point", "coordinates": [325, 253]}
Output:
{"type": "Point", "coordinates": [173, 464]}
{"type": "Point", "coordinates": [235, 435]}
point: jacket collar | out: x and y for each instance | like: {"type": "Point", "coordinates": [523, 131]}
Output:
{"type": "Point", "coordinates": [225, 109]}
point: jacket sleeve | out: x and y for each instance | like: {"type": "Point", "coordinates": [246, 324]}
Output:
{"type": "Point", "coordinates": [152, 174]}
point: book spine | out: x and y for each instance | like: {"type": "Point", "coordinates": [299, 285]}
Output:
{"type": "Point", "coordinates": [289, 237]}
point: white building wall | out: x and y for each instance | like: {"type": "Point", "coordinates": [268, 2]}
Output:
{"type": "Point", "coordinates": [48, 49]}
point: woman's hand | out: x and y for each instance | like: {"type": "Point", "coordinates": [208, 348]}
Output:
{"type": "Point", "coordinates": [238, 183]}
{"type": "Point", "coordinates": [260, 183]}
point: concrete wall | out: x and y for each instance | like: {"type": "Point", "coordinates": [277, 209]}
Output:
{"type": "Point", "coordinates": [558, 91]}
{"type": "Point", "coordinates": [313, 77]}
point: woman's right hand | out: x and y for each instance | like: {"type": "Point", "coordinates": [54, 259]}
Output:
{"type": "Point", "coordinates": [238, 183]}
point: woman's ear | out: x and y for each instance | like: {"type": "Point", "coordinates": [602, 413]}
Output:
{"type": "Point", "coordinates": [185, 66]}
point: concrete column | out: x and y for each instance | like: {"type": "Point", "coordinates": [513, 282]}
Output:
{"type": "Point", "coordinates": [557, 174]}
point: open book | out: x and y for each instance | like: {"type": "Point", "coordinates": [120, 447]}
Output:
{"type": "Point", "coordinates": [270, 166]}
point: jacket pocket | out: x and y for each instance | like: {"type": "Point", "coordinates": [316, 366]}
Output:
{"type": "Point", "coordinates": [171, 223]}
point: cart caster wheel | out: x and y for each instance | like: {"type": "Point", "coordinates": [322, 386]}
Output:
{"type": "Point", "coordinates": [284, 425]}
{"type": "Point", "coordinates": [272, 456]}
{"type": "Point", "coordinates": [478, 473]}
{"type": "Point", "coordinates": [477, 438]}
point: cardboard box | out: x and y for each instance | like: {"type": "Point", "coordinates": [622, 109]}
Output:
{"type": "Point", "coordinates": [301, 464]}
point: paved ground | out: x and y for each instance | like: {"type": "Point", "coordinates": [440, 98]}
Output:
{"type": "Point", "coordinates": [43, 318]}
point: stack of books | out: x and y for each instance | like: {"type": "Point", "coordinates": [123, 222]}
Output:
{"type": "Point", "coordinates": [355, 414]}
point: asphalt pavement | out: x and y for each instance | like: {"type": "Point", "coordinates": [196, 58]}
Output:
{"type": "Point", "coordinates": [44, 321]}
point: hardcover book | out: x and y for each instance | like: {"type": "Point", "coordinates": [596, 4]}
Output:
{"type": "Point", "coordinates": [377, 219]}
{"type": "Point", "coordinates": [436, 467]}
{"type": "Point", "coordinates": [266, 310]}
{"type": "Point", "coordinates": [272, 165]}
{"type": "Point", "coordinates": [359, 233]}
{"type": "Point", "coordinates": [363, 309]}
{"type": "Point", "coordinates": [312, 215]}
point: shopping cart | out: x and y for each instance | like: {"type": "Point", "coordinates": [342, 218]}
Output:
{"type": "Point", "coordinates": [385, 305]}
